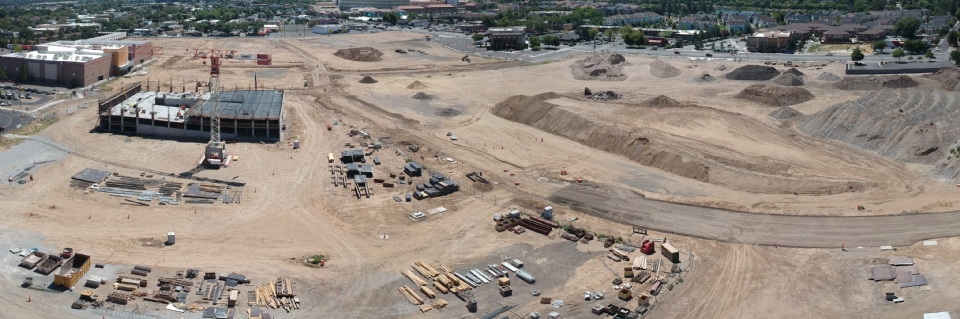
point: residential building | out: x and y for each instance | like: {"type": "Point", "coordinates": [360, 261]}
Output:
{"type": "Point", "coordinates": [764, 21]}
{"type": "Point", "coordinates": [632, 19]}
{"type": "Point", "coordinates": [736, 24]}
{"type": "Point", "coordinates": [791, 18]}
{"type": "Point", "coordinates": [697, 21]}
{"type": "Point", "coordinates": [769, 41]}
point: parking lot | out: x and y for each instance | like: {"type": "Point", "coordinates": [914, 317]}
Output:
{"type": "Point", "coordinates": [25, 97]}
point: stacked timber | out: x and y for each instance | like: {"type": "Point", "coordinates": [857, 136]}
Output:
{"type": "Point", "coordinates": [411, 295]}
{"type": "Point", "coordinates": [433, 272]}
{"type": "Point", "coordinates": [284, 287]}
{"type": "Point", "coordinates": [439, 303]}
{"type": "Point", "coordinates": [413, 277]}
{"type": "Point", "coordinates": [423, 271]}
{"type": "Point", "coordinates": [428, 292]}
{"type": "Point", "coordinates": [119, 298]}
{"type": "Point", "coordinates": [440, 286]}
{"type": "Point", "coordinates": [444, 268]}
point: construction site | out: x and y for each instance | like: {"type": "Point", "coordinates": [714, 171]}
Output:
{"type": "Point", "coordinates": [338, 177]}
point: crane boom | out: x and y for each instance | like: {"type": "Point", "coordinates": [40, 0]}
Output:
{"type": "Point", "coordinates": [214, 154]}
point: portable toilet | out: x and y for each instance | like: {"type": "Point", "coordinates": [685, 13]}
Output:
{"type": "Point", "coordinates": [547, 213]}
{"type": "Point", "coordinates": [171, 238]}
{"type": "Point", "coordinates": [296, 144]}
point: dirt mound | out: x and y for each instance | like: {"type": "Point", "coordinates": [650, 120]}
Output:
{"type": "Point", "coordinates": [422, 96]}
{"type": "Point", "coordinates": [367, 79]}
{"type": "Point", "coordinates": [661, 101]}
{"type": "Point", "coordinates": [663, 70]}
{"type": "Point", "coordinates": [361, 54]}
{"type": "Point", "coordinates": [788, 79]}
{"type": "Point", "coordinates": [827, 76]}
{"type": "Point", "coordinates": [875, 82]}
{"type": "Point", "coordinates": [947, 77]}
{"type": "Point", "coordinates": [753, 73]}
{"type": "Point", "coordinates": [706, 77]}
{"type": "Point", "coordinates": [784, 113]}
{"type": "Point", "coordinates": [794, 71]}
{"type": "Point", "coordinates": [910, 125]}
{"type": "Point", "coordinates": [448, 112]}
{"type": "Point", "coordinates": [600, 67]}
{"type": "Point", "coordinates": [775, 95]}
{"type": "Point", "coordinates": [416, 85]}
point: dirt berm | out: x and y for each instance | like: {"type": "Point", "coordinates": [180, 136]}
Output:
{"type": "Point", "coordinates": [873, 82]}
{"type": "Point", "coordinates": [947, 77]}
{"type": "Point", "coordinates": [784, 113]}
{"type": "Point", "coordinates": [663, 70]}
{"type": "Point", "coordinates": [652, 146]}
{"type": "Point", "coordinates": [775, 95]}
{"type": "Point", "coordinates": [361, 54]}
{"type": "Point", "coordinates": [753, 73]}
{"type": "Point", "coordinates": [661, 101]}
{"type": "Point", "coordinates": [911, 125]}
{"type": "Point", "coordinates": [600, 67]}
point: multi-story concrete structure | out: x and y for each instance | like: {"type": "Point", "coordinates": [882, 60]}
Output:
{"type": "Point", "coordinates": [379, 4]}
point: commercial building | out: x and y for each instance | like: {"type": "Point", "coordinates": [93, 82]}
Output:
{"type": "Point", "coordinates": [77, 63]}
{"type": "Point", "coordinates": [244, 116]}
{"type": "Point", "coordinates": [379, 4]}
{"type": "Point", "coordinates": [330, 29]}
{"type": "Point", "coordinates": [505, 38]}
{"type": "Point", "coordinates": [769, 41]}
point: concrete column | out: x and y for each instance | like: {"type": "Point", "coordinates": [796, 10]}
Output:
{"type": "Point", "coordinates": [253, 129]}
{"type": "Point", "coordinates": [201, 124]}
{"type": "Point", "coordinates": [268, 129]}
{"type": "Point", "coordinates": [236, 132]}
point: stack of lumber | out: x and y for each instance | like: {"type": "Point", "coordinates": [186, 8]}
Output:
{"type": "Point", "coordinates": [411, 295]}
{"type": "Point", "coordinates": [444, 268]}
{"type": "Point", "coordinates": [428, 292]}
{"type": "Point", "coordinates": [439, 303]}
{"type": "Point", "coordinates": [414, 278]}
{"type": "Point", "coordinates": [432, 272]}
{"type": "Point", "coordinates": [119, 298]}
{"type": "Point", "coordinates": [285, 287]}
{"type": "Point", "coordinates": [186, 284]}
{"type": "Point", "coordinates": [425, 308]}
{"type": "Point", "coordinates": [266, 295]}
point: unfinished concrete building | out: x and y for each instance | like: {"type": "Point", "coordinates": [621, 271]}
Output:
{"type": "Point", "coordinates": [252, 116]}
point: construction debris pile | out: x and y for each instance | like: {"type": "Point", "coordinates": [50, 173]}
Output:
{"type": "Point", "coordinates": [900, 270]}
{"type": "Point", "coordinates": [514, 222]}
{"type": "Point", "coordinates": [443, 280]}
{"type": "Point", "coordinates": [601, 95]}
{"type": "Point", "coordinates": [144, 188]}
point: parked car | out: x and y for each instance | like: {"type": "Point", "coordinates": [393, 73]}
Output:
{"type": "Point", "coordinates": [709, 55]}
{"type": "Point", "coordinates": [5, 103]}
{"type": "Point", "coordinates": [829, 54]}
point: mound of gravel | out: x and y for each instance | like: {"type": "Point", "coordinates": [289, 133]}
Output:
{"type": "Point", "coordinates": [827, 76]}
{"type": "Point", "coordinates": [788, 79]}
{"type": "Point", "coordinates": [706, 77]}
{"type": "Point", "coordinates": [663, 70]}
{"type": "Point", "coordinates": [661, 101]}
{"type": "Point", "coordinates": [775, 95]}
{"type": "Point", "coordinates": [600, 67]}
{"type": "Point", "coordinates": [947, 77]}
{"type": "Point", "coordinates": [361, 54]}
{"type": "Point", "coordinates": [448, 112]}
{"type": "Point", "coordinates": [753, 73]}
{"type": "Point", "coordinates": [367, 79]}
{"type": "Point", "coordinates": [422, 96]}
{"type": "Point", "coordinates": [784, 113]}
{"type": "Point", "coordinates": [794, 71]}
{"type": "Point", "coordinates": [875, 82]}
{"type": "Point", "coordinates": [416, 85]}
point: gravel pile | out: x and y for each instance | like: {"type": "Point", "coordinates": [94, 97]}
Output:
{"type": "Point", "coordinates": [753, 73]}
{"type": "Point", "coordinates": [661, 101]}
{"type": "Point", "coordinates": [775, 95]}
{"type": "Point", "coordinates": [947, 77]}
{"type": "Point", "coordinates": [875, 82]}
{"type": "Point", "coordinates": [416, 85]}
{"type": "Point", "coordinates": [422, 96]}
{"type": "Point", "coordinates": [784, 113]}
{"type": "Point", "coordinates": [827, 76]}
{"type": "Point", "coordinates": [794, 71]}
{"type": "Point", "coordinates": [663, 70]}
{"type": "Point", "coordinates": [788, 79]}
{"type": "Point", "coordinates": [706, 77]}
{"type": "Point", "coordinates": [367, 79]}
{"type": "Point", "coordinates": [362, 54]}
{"type": "Point", "coordinates": [600, 67]}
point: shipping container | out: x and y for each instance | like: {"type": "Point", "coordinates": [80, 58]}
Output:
{"type": "Point", "coordinates": [264, 62]}
{"type": "Point", "coordinates": [672, 254]}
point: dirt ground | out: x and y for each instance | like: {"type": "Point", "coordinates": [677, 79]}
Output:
{"type": "Point", "coordinates": [291, 209]}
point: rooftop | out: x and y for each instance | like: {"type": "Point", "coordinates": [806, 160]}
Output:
{"type": "Point", "coordinates": [244, 105]}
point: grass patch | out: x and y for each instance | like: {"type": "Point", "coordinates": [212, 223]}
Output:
{"type": "Point", "coordinates": [36, 126]}
{"type": "Point", "coordinates": [315, 259]}
{"type": "Point", "coordinates": [813, 48]}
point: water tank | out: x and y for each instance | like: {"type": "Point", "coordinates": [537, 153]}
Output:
{"type": "Point", "coordinates": [514, 214]}
{"type": "Point", "coordinates": [547, 213]}
{"type": "Point", "coordinates": [525, 276]}
{"type": "Point", "coordinates": [171, 238]}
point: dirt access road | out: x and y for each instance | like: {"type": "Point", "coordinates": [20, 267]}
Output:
{"type": "Point", "coordinates": [624, 206]}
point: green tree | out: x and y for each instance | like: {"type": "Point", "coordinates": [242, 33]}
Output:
{"type": "Point", "coordinates": [916, 46]}
{"type": "Point", "coordinates": [3, 75]}
{"type": "Point", "coordinates": [73, 82]}
{"type": "Point", "coordinates": [899, 53]}
{"type": "Point", "coordinates": [478, 36]}
{"type": "Point", "coordinates": [534, 42]}
{"type": "Point", "coordinates": [391, 18]}
{"type": "Point", "coordinates": [856, 56]}
{"type": "Point", "coordinates": [488, 21]}
{"type": "Point", "coordinates": [24, 74]}
{"type": "Point", "coordinates": [551, 40]}
{"type": "Point", "coordinates": [907, 27]}
{"type": "Point", "coordinates": [608, 33]}
{"type": "Point", "coordinates": [880, 45]}
{"type": "Point", "coordinates": [929, 55]}
{"type": "Point", "coordinates": [593, 33]}
{"type": "Point", "coordinates": [955, 56]}
{"type": "Point", "coordinates": [952, 38]}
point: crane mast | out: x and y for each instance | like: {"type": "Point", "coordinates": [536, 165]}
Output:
{"type": "Point", "coordinates": [214, 155]}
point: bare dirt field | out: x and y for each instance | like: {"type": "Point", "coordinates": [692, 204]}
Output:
{"type": "Point", "coordinates": [672, 136]}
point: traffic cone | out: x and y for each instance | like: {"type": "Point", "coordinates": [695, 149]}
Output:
{"type": "Point", "coordinates": [89, 216]}
{"type": "Point", "coordinates": [194, 211]}
{"type": "Point", "coordinates": [28, 298]}
{"type": "Point", "coordinates": [128, 216]}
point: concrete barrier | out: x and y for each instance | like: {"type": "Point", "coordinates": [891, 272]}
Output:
{"type": "Point", "coordinates": [856, 71]}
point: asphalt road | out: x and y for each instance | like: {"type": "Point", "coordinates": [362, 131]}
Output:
{"type": "Point", "coordinates": [627, 207]}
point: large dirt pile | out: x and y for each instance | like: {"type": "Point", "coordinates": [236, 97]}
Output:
{"type": "Point", "coordinates": [416, 85]}
{"type": "Point", "coordinates": [661, 101]}
{"type": "Point", "coordinates": [600, 67]}
{"type": "Point", "coordinates": [663, 70]}
{"type": "Point", "coordinates": [947, 77]}
{"type": "Point", "coordinates": [788, 79]}
{"type": "Point", "coordinates": [422, 96]}
{"type": "Point", "coordinates": [629, 142]}
{"type": "Point", "coordinates": [753, 73]}
{"type": "Point", "coordinates": [775, 95]}
{"type": "Point", "coordinates": [873, 82]}
{"type": "Point", "coordinates": [706, 77]}
{"type": "Point", "coordinates": [827, 76]}
{"type": "Point", "coordinates": [361, 54]}
{"type": "Point", "coordinates": [794, 71]}
{"type": "Point", "coordinates": [911, 125]}
{"type": "Point", "coordinates": [784, 113]}
{"type": "Point", "coordinates": [367, 80]}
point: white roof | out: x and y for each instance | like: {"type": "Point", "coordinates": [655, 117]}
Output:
{"type": "Point", "coordinates": [937, 315]}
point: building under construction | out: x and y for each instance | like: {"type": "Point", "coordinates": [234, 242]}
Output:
{"type": "Point", "coordinates": [251, 116]}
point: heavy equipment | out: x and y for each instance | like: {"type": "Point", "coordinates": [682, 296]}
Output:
{"type": "Point", "coordinates": [213, 156]}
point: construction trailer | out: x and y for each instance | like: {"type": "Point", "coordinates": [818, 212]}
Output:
{"type": "Point", "coordinates": [73, 269]}
{"type": "Point", "coordinates": [672, 254]}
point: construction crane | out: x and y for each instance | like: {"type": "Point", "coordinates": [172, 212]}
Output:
{"type": "Point", "coordinates": [214, 155]}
